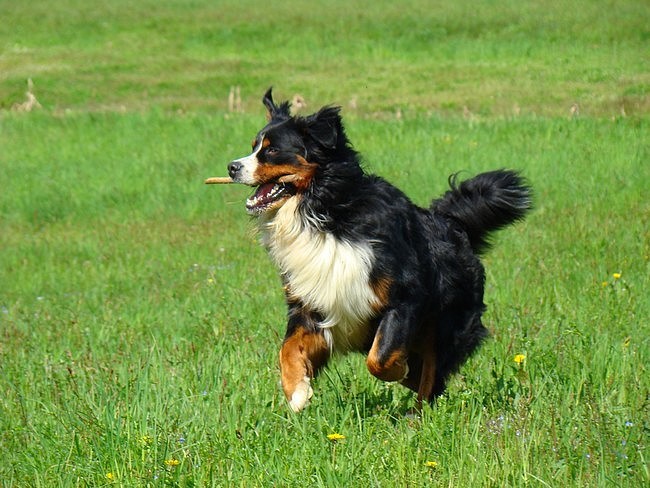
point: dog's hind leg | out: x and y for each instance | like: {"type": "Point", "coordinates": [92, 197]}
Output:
{"type": "Point", "coordinates": [427, 378]}
{"type": "Point", "coordinates": [422, 370]}
{"type": "Point", "coordinates": [388, 356]}
{"type": "Point", "coordinates": [304, 351]}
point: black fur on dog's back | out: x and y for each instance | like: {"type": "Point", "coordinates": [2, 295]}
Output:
{"type": "Point", "coordinates": [485, 203]}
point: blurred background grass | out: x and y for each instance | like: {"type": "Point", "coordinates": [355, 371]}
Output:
{"type": "Point", "coordinates": [500, 58]}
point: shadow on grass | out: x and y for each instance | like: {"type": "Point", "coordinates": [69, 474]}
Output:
{"type": "Point", "coordinates": [367, 396]}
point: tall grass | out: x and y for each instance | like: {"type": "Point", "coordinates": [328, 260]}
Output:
{"type": "Point", "coordinates": [140, 319]}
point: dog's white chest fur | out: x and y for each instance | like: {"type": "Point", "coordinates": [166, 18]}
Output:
{"type": "Point", "coordinates": [328, 275]}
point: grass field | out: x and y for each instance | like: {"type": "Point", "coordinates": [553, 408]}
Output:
{"type": "Point", "coordinates": [140, 319]}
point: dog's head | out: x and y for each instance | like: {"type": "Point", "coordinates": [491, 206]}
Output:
{"type": "Point", "coordinates": [288, 154]}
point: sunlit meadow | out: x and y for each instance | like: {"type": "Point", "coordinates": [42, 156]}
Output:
{"type": "Point", "coordinates": [140, 319]}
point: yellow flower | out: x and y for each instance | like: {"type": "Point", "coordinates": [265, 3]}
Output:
{"type": "Point", "coordinates": [172, 462]}
{"type": "Point", "coordinates": [616, 276]}
{"type": "Point", "coordinates": [110, 476]}
{"type": "Point", "coordinates": [431, 464]}
{"type": "Point", "coordinates": [146, 440]}
{"type": "Point", "coordinates": [519, 358]}
{"type": "Point", "coordinates": [604, 283]}
{"type": "Point", "coordinates": [335, 437]}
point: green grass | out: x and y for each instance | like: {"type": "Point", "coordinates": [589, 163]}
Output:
{"type": "Point", "coordinates": [490, 57]}
{"type": "Point", "coordinates": [140, 320]}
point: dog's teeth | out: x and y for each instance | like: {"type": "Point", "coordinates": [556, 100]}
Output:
{"type": "Point", "coordinates": [264, 198]}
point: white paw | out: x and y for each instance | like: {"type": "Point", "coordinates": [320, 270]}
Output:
{"type": "Point", "coordinates": [301, 395]}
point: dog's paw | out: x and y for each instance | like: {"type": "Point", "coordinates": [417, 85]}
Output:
{"type": "Point", "coordinates": [301, 395]}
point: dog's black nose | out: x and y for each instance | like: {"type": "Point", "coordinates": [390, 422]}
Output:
{"type": "Point", "coordinates": [234, 168]}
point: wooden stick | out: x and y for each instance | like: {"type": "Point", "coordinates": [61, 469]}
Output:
{"type": "Point", "coordinates": [223, 180]}
{"type": "Point", "coordinates": [288, 178]}
{"type": "Point", "coordinates": [219, 180]}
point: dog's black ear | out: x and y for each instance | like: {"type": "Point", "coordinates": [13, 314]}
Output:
{"type": "Point", "coordinates": [273, 111]}
{"type": "Point", "coordinates": [324, 126]}
{"type": "Point", "coordinates": [269, 103]}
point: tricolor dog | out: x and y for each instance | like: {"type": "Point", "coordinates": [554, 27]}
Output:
{"type": "Point", "coordinates": [364, 269]}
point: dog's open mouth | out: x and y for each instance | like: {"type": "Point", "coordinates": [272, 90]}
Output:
{"type": "Point", "coordinates": [268, 196]}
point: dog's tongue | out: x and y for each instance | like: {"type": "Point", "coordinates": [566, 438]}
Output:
{"type": "Point", "coordinates": [263, 192]}
{"type": "Point", "coordinates": [261, 197]}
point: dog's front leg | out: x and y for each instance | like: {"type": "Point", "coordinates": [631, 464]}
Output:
{"type": "Point", "coordinates": [304, 351]}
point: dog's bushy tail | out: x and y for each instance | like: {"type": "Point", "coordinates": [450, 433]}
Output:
{"type": "Point", "coordinates": [485, 203]}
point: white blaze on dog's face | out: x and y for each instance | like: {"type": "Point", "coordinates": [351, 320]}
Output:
{"type": "Point", "coordinates": [246, 174]}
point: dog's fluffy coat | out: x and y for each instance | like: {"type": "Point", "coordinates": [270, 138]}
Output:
{"type": "Point", "coordinates": [365, 269]}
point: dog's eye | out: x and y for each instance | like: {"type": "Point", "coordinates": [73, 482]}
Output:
{"type": "Point", "coordinates": [271, 151]}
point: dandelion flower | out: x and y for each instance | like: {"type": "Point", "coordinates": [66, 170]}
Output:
{"type": "Point", "coordinates": [172, 462]}
{"type": "Point", "coordinates": [335, 437]}
{"type": "Point", "coordinates": [604, 284]}
{"type": "Point", "coordinates": [519, 358]}
{"type": "Point", "coordinates": [110, 476]}
{"type": "Point", "coordinates": [146, 440]}
{"type": "Point", "coordinates": [431, 464]}
{"type": "Point", "coordinates": [616, 276]}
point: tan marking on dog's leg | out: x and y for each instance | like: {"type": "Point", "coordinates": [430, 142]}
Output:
{"type": "Point", "coordinates": [301, 355]}
{"type": "Point", "coordinates": [391, 368]}
{"type": "Point", "coordinates": [427, 378]}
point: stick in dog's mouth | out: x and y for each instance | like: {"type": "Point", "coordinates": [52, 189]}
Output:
{"type": "Point", "coordinates": [224, 180]}
{"type": "Point", "coordinates": [219, 180]}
